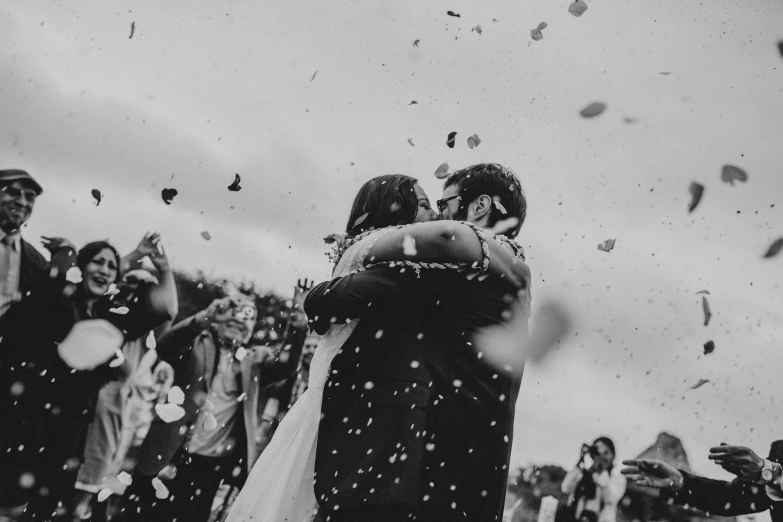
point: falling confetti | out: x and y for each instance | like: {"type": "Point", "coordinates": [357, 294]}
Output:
{"type": "Point", "coordinates": [593, 110]}
{"type": "Point", "coordinates": [477, 29]}
{"type": "Point", "coordinates": [416, 43]}
{"type": "Point", "coordinates": [161, 491]}
{"type": "Point", "coordinates": [577, 8]}
{"type": "Point", "coordinates": [410, 140]}
{"type": "Point", "coordinates": [104, 494]}
{"type": "Point", "coordinates": [206, 235]}
{"type": "Point", "coordinates": [442, 171]}
{"type": "Point", "coordinates": [124, 478]}
{"type": "Point", "coordinates": [360, 219]}
{"type": "Point", "coordinates": [499, 205]}
{"type": "Point", "coordinates": [664, 73]}
{"type": "Point", "coordinates": [241, 353]}
{"type": "Point", "coordinates": [133, 29]}
{"type": "Point", "coordinates": [474, 141]}
{"type": "Point", "coordinates": [120, 310]}
{"type": "Point", "coordinates": [730, 173]}
{"type": "Point", "coordinates": [450, 140]}
{"type": "Point", "coordinates": [234, 187]}
{"type": "Point", "coordinates": [536, 33]}
{"type": "Point", "coordinates": [27, 480]}
{"type": "Point", "coordinates": [709, 347]}
{"type": "Point", "coordinates": [699, 384]}
{"type": "Point", "coordinates": [780, 47]}
{"type": "Point", "coordinates": [452, 13]}
{"type": "Point", "coordinates": [150, 343]}
{"type": "Point", "coordinates": [607, 245]}
{"type": "Point", "coordinates": [169, 412]}
{"type": "Point", "coordinates": [118, 360]}
{"type": "Point", "coordinates": [707, 314]}
{"type": "Point", "coordinates": [97, 195]}
{"type": "Point", "coordinates": [168, 195]}
{"type": "Point", "coordinates": [313, 77]}
{"type": "Point", "coordinates": [775, 248]}
{"type": "Point", "coordinates": [629, 120]}
{"type": "Point", "coordinates": [697, 191]}
{"type": "Point", "coordinates": [409, 246]}
{"type": "Point", "coordinates": [703, 292]}
{"type": "Point", "coordinates": [176, 396]}
{"type": "Point", "coordinates": [413, 102]}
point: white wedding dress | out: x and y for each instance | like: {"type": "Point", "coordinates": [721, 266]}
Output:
{"type": "Point", "coordinates": [280, 486]}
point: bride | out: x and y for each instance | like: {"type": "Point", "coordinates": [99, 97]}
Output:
{"type": "Point", "coordinates": [390, 214]}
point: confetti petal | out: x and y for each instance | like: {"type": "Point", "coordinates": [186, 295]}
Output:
{"type": "Point", "coordinates": [707, 292]}
{"type": "Point", "coordinates": [206, 235]}
{"type": "Point", "coordinates": [409, 246]}
{"type": "Point", "coordinates": [536, 34]}
{"type": "Point", "coordinates": [499, 205]}
{"type": "Point", "coordinates": [416, 43]}
{"type": "Point", "coordinates": [360, 219]}
{"type": "Point", "coordinates": [124, 478]}
{"type": "Point", "coordinates": [410, 140]}
{"type": "Point", "coordinates": [150, 343]}
{"type": "Point", "coordinates": [74, 275]}
{"type": "Point", "coordinates": [729, 174]}
{"type": "Point", "coordinates": [699, 384]}
{"type": "Point", "coordinates": [664, 73]}
{"type": "Point", "coordinates": [707, 314]}
{"type": "Point", "coordinates": [607, 245]}
{"type": "Point", "coordinates": [313, 77]}
{"type": "Point", "coordinates": [709, 347]}
{"type": "Point", "coordinates": [478, 29]}
{"type": "Point", "coordinates": [577, 8]}
{"type": "Point", "coordinates": [169, 412]}
{"type": "Point", "coordinates": [450, 140]}
{"type": "Point", "coordinates": [241, 353]}
{"type": "Point", "coordinates": [120, 310]}
{"type": "Point", "coordinates": [697, 191]}
{"type": "Point", "coordinates": [104, 494]}
{"type": "Point", "coordinates": [168, 195]}
{"type": "Point", "coordinates": [775, 248]}
{"type": "Point", "coordinates": [119, 358]}
{"type": "Point", "coordinates": [443, 171]}
{"type": "Point", "coordinates": [176, 396]}
{"type": "Point", "coordinates": [133, 30]}
{"type": "Point", "coordinates": [234, 187]}
{"type": "Point", "coordinates": [452, 13]}
{"type": "Point", "coordinates": [474, 141]}
{"type": "Point", "coordinates": [97, 195]}
{"type": "Point", "coordinates": [413, 102]}
{"type": "Point", "coordinates": [593, 110]}
{"type": "Point", "coordinates": [161, 491]}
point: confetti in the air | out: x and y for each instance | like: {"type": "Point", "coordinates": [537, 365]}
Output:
{"type": "Point", "coordinates": [536, 33]}
{"type": "Point", "coordinates": [452, 13]}
{"type": "Point", "coordinates": [577, 8]}
{"type": "Point", "coordinates": [176, 396]}
{"type": "Point", "coordinates": [775, 248]}
{"type": "Point", "coordinates": [27, 480]}
{"type": "Point", "coordinates": [416, 43]}
{"type": "Point", "coordinates": [120, 310]}
{"type": "Point", "coordinates": [409, 246]}
{"type": "Point", "coordinates": [709, 347]}
{"type": "Point", "coordinates": [607, 245]}
{"type": "Point", "coordinates": [360, 220]}
{"type": "Point", "coordinates": [477, 29]}
{"type": "Point", "coordinates": [241, 353]}
{"type": "Point", "coordinates": [499, 205]}
{"type": "Point", "coordinates": [168, 195]}
{"type": "Point", "coordinates": [234, 187]}
{"type": "Point", "coordinates": [413, 102]}
{"type": "Point", "coordinates": [313, 77]}
{"type": "Point", "coordinates": [442, 171]}
{"type": "Point", "coordinates": [104, 494]}
{"type": "Point", "coordinates": [133, 30]}
{"type": "Point", "coordinates": [450, 140]}
{"type": "Point", "coordinates": [169, 412]}
{"type": "Point", "coordinates": [161, 491]}
{"type": "Point", "coordinates": [707, 314]}
{"type": "Point", "coordinates": [593, 110]}
{"type": "Point", "coordinates": [119, 358]}
{"type": "Point", "coordinates": [730, 173]}
{"type": "Point", "coordinates": [74, 275]}
{"type": "Point", "coordinates": [780, 47]}
{"type": "Point", "coordinates": [697, 191]}
{"type": "Point", "coordinates": [150, 343]}
{"type": "Point", "coordinates": [699, 384]}
{"type": "Point", "coordinates": [206, 235]}
{"type": "Point", "coordinates": [98, 196]}
{"type": "Point", "coordinates": [664, 73]}
{"type": "Point", "coordinates": [706, 292]}
{"type": "Point", "coordinates": [410, 140]}
{"type": "Point", "coordinates": [474, 141]}
{"type": "Point", "coordinates": [124, 478]}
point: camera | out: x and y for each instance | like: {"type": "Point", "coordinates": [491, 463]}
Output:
{"type": "Point", "coordinates": [589, 454]}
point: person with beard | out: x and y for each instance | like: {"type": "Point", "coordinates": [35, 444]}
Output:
{"type": "Point", "coordinates": [21, 265]}
{"type": "Point", "coordinates": [220, 376]}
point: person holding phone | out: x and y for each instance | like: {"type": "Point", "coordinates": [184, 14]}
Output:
{"type": "Point", "coordinates": [595, 484]}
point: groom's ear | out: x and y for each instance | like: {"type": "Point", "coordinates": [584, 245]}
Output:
{"type": "Point", "coordinates": [482, 207]}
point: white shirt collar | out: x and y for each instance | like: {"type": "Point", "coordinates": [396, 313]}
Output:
{"type": "Point", "coordinates": [16, 239]}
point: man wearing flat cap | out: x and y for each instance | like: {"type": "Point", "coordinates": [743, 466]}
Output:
{"type": "Point", "coordinates": [21, 264]}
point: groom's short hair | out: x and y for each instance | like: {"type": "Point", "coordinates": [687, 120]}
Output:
{"type": "Point", "coordinates": [496, 181]}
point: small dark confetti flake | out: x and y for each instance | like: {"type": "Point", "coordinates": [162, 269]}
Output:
{"type": "Point", "coordinates": [697, 191]}
{"type": "Point", "coordinates": [168, 195]}
{"type": "Point", "coordinates": [709, 347]}
{"type": "Point", "coordinates": [450, 140]}
{"type": "Point", "coordinates": [452, 13]}
{"type": "Point", "coordinates": [234, 187]}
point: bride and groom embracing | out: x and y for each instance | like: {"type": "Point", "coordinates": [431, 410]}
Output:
{"type": "Point", "coordinates": [403, 418]}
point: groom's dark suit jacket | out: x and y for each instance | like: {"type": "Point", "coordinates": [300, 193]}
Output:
{"type": "Point", "coordinates": [413, 422]}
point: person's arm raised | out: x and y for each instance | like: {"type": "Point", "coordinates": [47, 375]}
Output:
{"type": "Point", "coordinates": [452, 241]}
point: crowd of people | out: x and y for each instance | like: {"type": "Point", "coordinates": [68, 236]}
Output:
{"type": "Point", "coordinates": [102, 394]}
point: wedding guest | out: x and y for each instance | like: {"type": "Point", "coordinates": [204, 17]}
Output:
{"type": "Point", "coordinates": [595, 484]}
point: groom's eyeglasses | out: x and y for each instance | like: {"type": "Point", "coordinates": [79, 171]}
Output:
{"type": "Point", "coordinates": [443, 204]}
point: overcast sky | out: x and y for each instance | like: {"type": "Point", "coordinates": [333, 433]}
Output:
{"type": "Point", "coordinates": [208, 89]}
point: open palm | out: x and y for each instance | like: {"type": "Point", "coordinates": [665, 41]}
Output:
{"type": "Point", "coordinates": [653, 474]}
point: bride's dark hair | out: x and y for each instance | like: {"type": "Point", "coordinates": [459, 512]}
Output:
{"type": "Point", "coordinates": [383, 201]}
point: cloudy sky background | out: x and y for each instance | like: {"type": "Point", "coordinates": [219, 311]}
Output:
{"type": "Point", "coordinates": [205, 91]}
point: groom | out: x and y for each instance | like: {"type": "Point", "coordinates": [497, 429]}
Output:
{"type": "Point", "coordinates": [415, 426]}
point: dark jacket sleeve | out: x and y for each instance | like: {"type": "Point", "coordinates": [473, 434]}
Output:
{"type": "Point", "coordinates": [380, 289]}
{"type": "Point", "coordinates": [718, 497]}
{"type": "Point", "coordinates": [177, 339]}
{"type": "Point", "coordinates": [293, 342]}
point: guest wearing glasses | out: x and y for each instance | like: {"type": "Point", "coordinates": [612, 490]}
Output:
{"type": "Point", "coordinates": [182, 462]}
{"type": "Point", "coordinates": [21, 265]}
